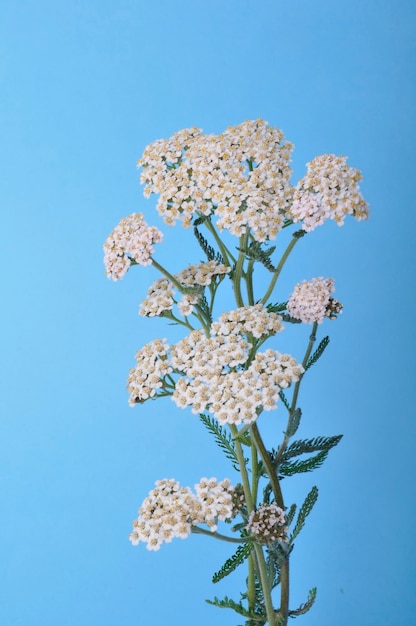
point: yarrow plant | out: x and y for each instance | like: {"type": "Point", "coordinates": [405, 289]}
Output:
{"type": "Point", "coordinates": [226, 369]}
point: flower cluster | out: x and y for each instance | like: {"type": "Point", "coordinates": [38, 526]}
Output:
{"type": "Point", "coordinates": [253, 320]}
{"type": "Point", "coordinates": [311, 301]}
{"type": "Point", "coordinates": [160, 295]}
{"type": "Point", "coordinates": [171, 510]}
{"type": "Point", "coordinates": [268, 523]}
{"type": "Point", "coordinates": [241, 176]}
{"type": "Point", "coordinates": [329, 190]}
{"type": "Point", "coordinates": [221, 376]}
{"type": "Point", "coordinates": [147, 377]}
{"type": "Point", "coordinates": [159, 298]}
{"type": "Point", "coordinates": [131, 240]}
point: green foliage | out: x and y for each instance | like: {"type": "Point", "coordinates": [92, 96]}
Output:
{"type": "Point", "coordinates": [318, 353]}
{"type": "Point", "coordinates": [308, 446]}
{"type": "Point", "coordinates": [256, 253]}
{"type": "Point", "coordinates": [277, 553]}
{"type": "Point", "coordinates": [208, 250]}
{"type": "Point", "coordinates": [278, 307]}
{"type": "Point", "coordinates": [291, 514]}
{"type": "Point", "coordinates": [233, 562]}
{"type": "Point", "coordinates": [293, 423]}
{"type": "Point", "coordinates": [298, 467]}
{"type": "Point", "coordinates": [227, 603]}
{"type": "Point", "coordinates": [304, 608]}
{"type": "Point", "coordinates": [305, 509]}
{"type": "Point", "coordinates": [223, 439]}
{"type": "Point", "coordinates": [284, 400]}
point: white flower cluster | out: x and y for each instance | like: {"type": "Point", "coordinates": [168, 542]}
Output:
{"type": "Point", "coordinates": [242, 176]}
{"type": "Point", "coordinates": [159, 298]}
{"type": "Point", "coordinates": [213, 367]}
{"type": "Point", "coordinates": [147, 377]}
{"type": "Point", "coordinates": [171, 510]}
{"type": "Point", "coordinates": [254, 320]}
{"type": "Point", "coordinates": [311, 301]}
{"type": "Point", "coordinates": [160, 295]}
{"type": "Point", "coordinates": [329, 190]}
{"type": "Point", "coordinates": [131, 239]}
{"type": "Point", "coordinates": [268, 523]}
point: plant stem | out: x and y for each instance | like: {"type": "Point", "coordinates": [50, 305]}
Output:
{"type": "Point", "coordinates": [226, 254]}
{"type": "Point", "coordinates": [312, 339]}
{"type": "Point", "coordinates": [279, 268]}
{"type": "Point", "coordinates": [203, 531]}
{"type": "Point", "coordinates": [238, 271]}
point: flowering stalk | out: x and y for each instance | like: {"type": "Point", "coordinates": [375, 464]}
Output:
{"type": "Point", "coordinates": [227, 371]}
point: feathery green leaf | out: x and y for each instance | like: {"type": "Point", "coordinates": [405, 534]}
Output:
{"type": "Point", "coordinates": [294, 421]}
{"type": "Point", "coordinates": [318, 352]}
{"type": "Point", "coordinates": [305, 509]}
{"type": "Point", "coordinates": [299, 467]}
{"type": "Point", "coordinates": [223, 439]}
{"type": "Point", "coordinates": [308, 446]}
{"type": "Point", "coordinates": [304, 608]}
{"type": "Point", "coordinates": [257, 253]}
{"type": "Point", "coordinates": [227, 603]}
{"type": "Point", "coordinates": [233, 562]}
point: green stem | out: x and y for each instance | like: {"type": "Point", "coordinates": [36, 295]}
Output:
{"type": "Point", "coordinates": [226, 254]}
{"type": "Point", "coordinates": [249, 282]}
{"type": "Point", "coordinates": [264, 581]}
{"type": "Point", "coordinates": [274, 480]}
{"type": "Point", "coordinates": [279, 268]}
{"type": "Point", "coordinates": [203, 531]}
{"type": "Point", "coordinates": [312, 339]}
{"type": "Point", "coordinates": [238, 271]}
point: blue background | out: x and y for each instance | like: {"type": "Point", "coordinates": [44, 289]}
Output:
{"type": "Point", "coordinates": [85, 86]}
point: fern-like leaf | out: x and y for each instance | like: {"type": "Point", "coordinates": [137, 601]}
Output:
{"type": "Point", "coordinates": [308, 446]}
{"type": "Point", "coordinates": [318, 352]}
{"type": "Point", "coordinates": [284, 400]}
{"type": "Point", "coordinates": [228, 603]}
{"type": "Point", "coordinates": [207, 249]}
{"type": "Point", "coordinates": [294, 421]}
{"type": "Point", "coordinates": [233, 562]}
{"type": "Point", "coordinates": [223, 439]}
{"type": "Point", "coordinates": [257, 253]}
{"type": "Point", "coordinates": [305, 509]}
{"type": "Point", "coordinates": [304, 608]}
{"type": "Point", "coordinates": [299, 467]}
{"type": "Point", "coordinates": [278, 307]}
{"type": "Point", "coordinates": [291, 514]}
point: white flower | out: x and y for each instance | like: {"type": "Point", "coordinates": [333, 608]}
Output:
{"type": "Point", "coordinates": [131, 240]}
{"type": "Point", "coordinates": [329, 190]}
{"type": "Point", "coordinates": [241, 176]}
{"type": "Point", "coordinates": [311, 301]}
{"type": "Point", "coordinates": [171, 510]}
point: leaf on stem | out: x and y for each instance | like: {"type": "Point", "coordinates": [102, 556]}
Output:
{"type": "Point", "coordinates": [305, 509]}
{"type": "Point", "coordinates": [223, 439]}
{"type": "Point", "coordinates": [318, 353]}
{"type": "Point", "coordinates": [256, 253]}
{"type": "Point", "coordinates": [233, 562]}
{"type": "Point", "coordinates": [238, 607]}
{"type": "Point", "coordinates": [208, 250]}
{"type": "Point", "coordinates": [299, 467]}
{"type": "Point", "coordinates": [308, 446]}
{"type": "Point", "coordinates": [293, 424]}
{"type": "Point", "coordinates": [304, 608]}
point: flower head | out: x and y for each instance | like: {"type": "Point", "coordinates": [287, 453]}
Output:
{"type": "Point", "coordinates": [268, 523]}
{"type": "Point", "coordinates": [329, 190]}
{"type": "Point", "coordinates": [131, 240]}
{"type": "Point", "coordinates": [171, 510]}
{"type": "Point", "coordinates": [311, 301]}
{"type": "Point", "coordinates": [241, 177]}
